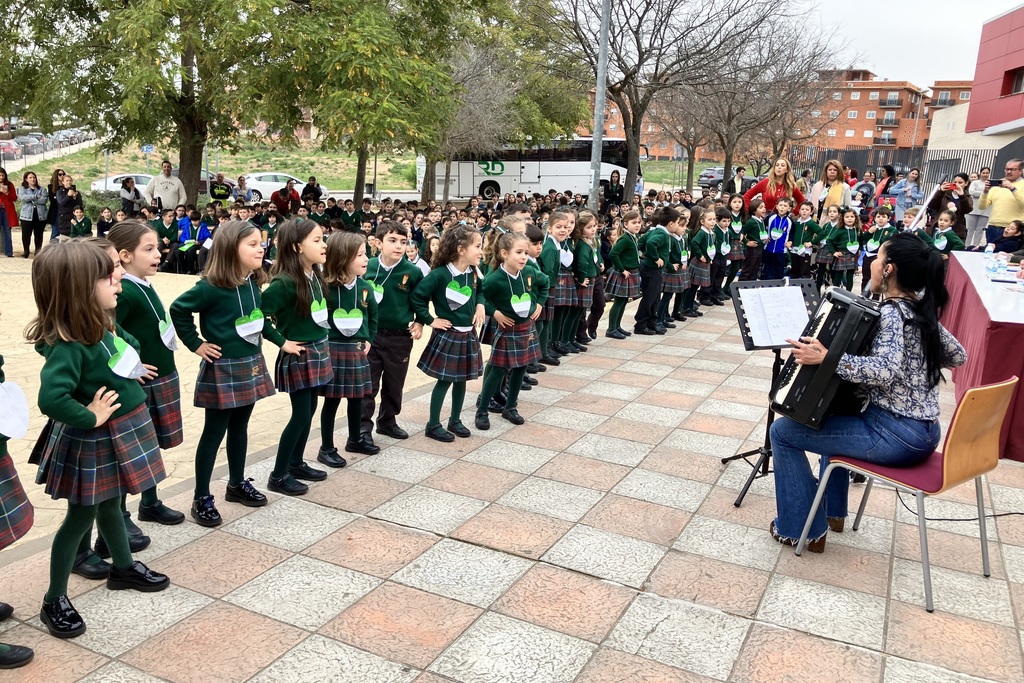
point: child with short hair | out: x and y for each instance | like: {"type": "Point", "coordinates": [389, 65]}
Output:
{"type": "Point", "coordinates": [556, 263]}
{"type": "Point", "coordinates": [755, 236]}
{"type": "Point", "coordinates": [677, 274]}
{"type": "Point", "coordinates": [81, 225]}
{"type": "Point", "coordinates": [799, 244]}
{"type": "Point", "coordinates": [585, 268]}
{"type": "Point", "coordinates": [775, 250]}
{"type": "Point", "coordinates": [624, 278]}
{"type": "Point", "coordinates": [737, 217]}
{"type": "Point", "coordinates": [944, 238]}
{"type": "Point", "coordinates": [877, 234]}
{"type": "Point", "coordinates": [701, 244]}
{"type": "Point", "coordinates": [713, 295]}
{"type": "Point", "coordinates": [452, 356]}
{"type": "Point", "coordinates": [844, 245]}
{"type": "Point", "coordinates": [656, 249]}
{"type": "Point", "coordinates": [822, 256]}
{"type": "Point", "coordinates": [908, 220]}
{"type": "Point", "coordinates": [353, 313]}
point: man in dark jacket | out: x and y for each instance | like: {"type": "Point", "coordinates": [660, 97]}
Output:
{"type": "Point", "coordinates": [734, 185]}
{"type": "Point", "coordinates": [311, 190]}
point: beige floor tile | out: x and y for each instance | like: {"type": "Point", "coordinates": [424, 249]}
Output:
{"type": "Point", "coordinates": [670, 399]}
{"type": "Point", "coordinates": [706, 581]}
{"type": "Point", "coordinates": [678, 463]}
{"type": "Point", "coordinates": [842, 566]}
{"type": "Point", "coordinates": [318, 658]}
{"type": "Point", "coordinates": [514, 531]}
{"type": "Point", "coordinates": [355, 491]}
{"type": "Point", "coordinates": [574, 469]}
{"type": "Point", "coordinates": [593, 404]}
{"type": "Point", "coordinates": [615, 666]}
{"type": "Point", "coordinates": [771, 652]}
{"type": "Point", "coordinates": [637, 519]}
{"type": "Point", "coordinates": [372, 547]}
{"type": "Point", "coordinates": [606, 555]}
{"type": "Point", "coordinates": [631, 430]}
{"type": "Point", "coordinates": [55, 660]}
{"type": "Point", "coordinates": [218, 563]}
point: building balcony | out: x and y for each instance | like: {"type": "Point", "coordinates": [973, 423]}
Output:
{"type": "Point", "coordinates": [885, 142]}
{"type": "Point", "coordinates": [888, 123]}
{"type": "Point", "coordinates": [943, 102]}
{"type": "Point", "coordinates": [890, 104]}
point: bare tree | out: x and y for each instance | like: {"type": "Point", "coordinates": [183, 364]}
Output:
{"type": "Point", "coordinates": [678, 114]}
{"type": "Point", "coordinates": [656, 45]}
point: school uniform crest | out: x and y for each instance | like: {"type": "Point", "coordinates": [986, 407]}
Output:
{"type": "Point", "coordinates": [529, 282]}
{"type": "Point", "coordinates": [366, 293]}
{"type": "Point", "coordinates": [405, 282]}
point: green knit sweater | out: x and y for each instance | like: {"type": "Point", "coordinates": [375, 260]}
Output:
{"type": "Point", "coordinates": [434, 287]}
{"type": "Point", "coordinates": [140, 312]}
{"type": "Point", "coordinates": [218, 309]}
{"type": "Point", "coordinates": [358, 299]}
{"type": "Point", "coordinates": [395, 311]}
{"type": "Point", "coordinates": [284, 321]}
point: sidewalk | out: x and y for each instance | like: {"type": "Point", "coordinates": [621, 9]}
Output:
{"type": "Point", "coordinates": [596, 543]}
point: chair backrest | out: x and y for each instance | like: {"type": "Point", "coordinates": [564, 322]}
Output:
{"type": "Point", "coordinates": [972, 443]}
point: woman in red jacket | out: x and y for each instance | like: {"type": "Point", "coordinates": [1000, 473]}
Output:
{"type": "Point", "coordinates": [8, 214]}
{"type": "Point", "coordinates": [779, 183]}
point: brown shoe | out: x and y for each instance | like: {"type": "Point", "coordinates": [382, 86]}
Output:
{"type": "Point", "coordinates": [837, 524]}
{"type": "Point", "coordinates": [817, 546]}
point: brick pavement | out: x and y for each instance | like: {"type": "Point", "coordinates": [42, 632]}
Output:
{"type": "Point", "coordinates": [596, 543]}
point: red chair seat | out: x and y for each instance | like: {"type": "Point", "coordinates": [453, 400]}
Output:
{"type": "Point", "coordinates": [925, 476]}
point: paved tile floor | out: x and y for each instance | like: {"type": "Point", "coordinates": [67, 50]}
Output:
{"type": "Point", "coordinates": [596, 543]}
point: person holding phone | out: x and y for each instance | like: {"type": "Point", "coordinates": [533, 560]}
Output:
{"type": "Point", "coordinates": [953, 196]}
{"type": "Point", "coordinates": [1005, 197]}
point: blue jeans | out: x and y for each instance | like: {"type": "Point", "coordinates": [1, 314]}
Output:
{"type": "Point", "coordinates": [5, 230]}
{"type": "Point", "coordinates": [876, 435]}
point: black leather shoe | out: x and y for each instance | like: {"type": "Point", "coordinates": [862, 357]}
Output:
{"type": "Point", "coordinates": [482, 422]}
{"type": "Point", "coordinates": [668, 324]}
{"type": "Point", "coordinates": [135, 544]}
{"type": "Point", "coordinates": [137, 577]}
{"type": "Point", "coordinates": [625, 332]}
{"type": "Point", "coordinates": [580, 348]}
{"type": "Point", "coordinates": [286, 485]}
{"type": "Point", "coordinates": [679, 317]}
{"type": "Point", "coordinates": [550, 360]}
{"type": "Point", "coordinates": [439, 433]}
{"type": "Point", "coordinates": [16, 655]}
{"type": "Point", "coordinates": [306, 473]}
{"type": "Point", "coordinates": [6, 611]}
{"type": "Point", "coordinates": [331, 458]}
{"type": "Point", "coordinates": [583, 341]}
{"type": "Point", "coordinates": [394, 431]}
{"type": "Point", "coordinates": [513, 416]}
{"type": "Point", "coordinates": [614, 334]}
{"type": "Point", "coordinates": [696, 312]}
{"type": "Point", "coordinates": [131, 527]}
{"type": "Point", "coordinates": [364, 446]}
{"type": "Point", "coordinates": [161, 514]}
{"type": "Point", "coordinates": [61, 618]}
{"type": "Point", "coordinates": [246, 494]}
{"type": "Point", "coordinates": [646, 331]}
{"type": "Point", "coordinates": [554, 352]}
{"type": "Point", "coordinates": [529, 380]}
{"type": "Point", "coordinates": [205, 512]}
{"type": "Point", "coordinates": [459, 430]}
{"type": "Point", "coordinates": [658, 329]}
{"type": "Point", "coordinates": [93, 571]}
{"type": "Point", "coordinates": [494, 407]}
{"type": "Point", "coordinates": [535, 368]}
{"type": "Point", "coordinates": [525, 386]}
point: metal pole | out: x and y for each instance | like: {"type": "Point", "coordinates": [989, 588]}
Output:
{"type": "Point", "coordinates": [600, 95]}
{"type": "Point", "coordinates": [106, 174]}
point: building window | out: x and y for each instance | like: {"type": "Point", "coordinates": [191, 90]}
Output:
{"type": "Point", "coordinates": [965, 95]}
{"type": "Point", "coordinates": [869, 133]}
{"type": "Point", "coordinates": [650, 129]}
{"type": "Point", "coordinates": [889, 119]}
{"type": "Point", "coordinates": [944, 95]}
{"type": "Point", "coordinates": [834, 114]}
{"type": "Point", "coordinates": [852, 114]}
{"type": "Point", "coordinates": [849, 133]}
{"type": "Point", "coordinates": [837, 95]}
{"type": "Point", "coordinates": [892, 96]}
{"type": "Point", "coordinates": [611, 126]}
{"type": "Point", "coordinates": [855, 95]}
{"type": "Point", "coordinates": [873, 95]}
{"type": "Point", "coordinates": [1016, 79]}
{"type": "Point", "coordinates": [663, 145]}
{"type": "Point", "coordinates": [871, 115]}
{"type": "Point", "coordinates": [831, 132]}
{"type": "Point", "coordinates": [816, 113]}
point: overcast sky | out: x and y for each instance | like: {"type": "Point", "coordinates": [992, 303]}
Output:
{"type": "Point", "coordinates": [920, 41]}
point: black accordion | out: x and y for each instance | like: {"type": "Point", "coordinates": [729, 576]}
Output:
{"type": "Point", "coordinates": [843, 323]}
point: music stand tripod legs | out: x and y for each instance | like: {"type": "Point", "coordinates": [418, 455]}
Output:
{"type": "Point", "coordinates": [764, 453]}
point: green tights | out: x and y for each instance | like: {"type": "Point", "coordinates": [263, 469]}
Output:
{"type": "Point", "coordinates": [296, 432]}
{"type": "Point", "coordinates": [437, 401]}
{"type": "Point", "coordinates": [843, 278]}
{"type": "Point", "coordinates": [149, 497]}
{"type": "Point", "coordinates": [235, 423]}
{"type": "Point", "coordinates": [328, 415]}
{"type": "Point", "coordinates": [492, 385]}
{"type": "Point", "coordinates": [76, 524]}
{"type": "Point", "coordinates": [615, 315]}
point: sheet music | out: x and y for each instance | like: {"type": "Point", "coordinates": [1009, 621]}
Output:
{"type": "Point", "coordinates": [774, 314]}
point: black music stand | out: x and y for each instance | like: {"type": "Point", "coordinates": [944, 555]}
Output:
{"type": "Point", "coordinates": [812, 298]}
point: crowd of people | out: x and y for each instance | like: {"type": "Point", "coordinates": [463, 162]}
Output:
{"type": "Point", "coordinates": [350, 291]}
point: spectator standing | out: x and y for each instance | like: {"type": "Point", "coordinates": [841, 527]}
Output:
{"type": "Point", "coordinates": [1006, 200]}
{"type": "Point", "coordinates": [8, 214]}
{"type": "Point", "coordinates": [884, 186]}
{"type": "Point", "coordinates": [33, 198]}
{"type": "Point", "coordinates": [978, 218]}
{"type": "Point", "coordinates": [165, 190]}
{"type": "Point", "coordinates": [614, 193]}
{"type": "Point", "coordinates": [220, 191]}
{"type": "Point", "coordinates": [735, 184]}
{"type": "Point", "coordinates": [831, 190]}
{"type": "Point", "coordinates": [68, 199]}
{"type": "Point", "coordinates": [954, 197]}
{"type": "Point", "coordinates": [908, 192]}
{"type": "Point", "coordinates": [131, 198]}
{"type": "Point", "coordinates": [779, 183]}
{"type": "Point", "coordinates": [311, 190]}
{"type": "Point", "coordinates": [51, 191]}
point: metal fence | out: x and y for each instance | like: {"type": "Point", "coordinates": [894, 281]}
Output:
{"type": "Point", "coordinates": [934, 163]}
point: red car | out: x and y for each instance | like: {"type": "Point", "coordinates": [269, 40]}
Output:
{"type": "Point", "coordinates": [10, 149]}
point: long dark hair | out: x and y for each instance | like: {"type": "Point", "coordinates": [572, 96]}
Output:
{"type": "Point", "coordinates": [289, 237]}
{"type": "Point", "coordinates": [919, 268]}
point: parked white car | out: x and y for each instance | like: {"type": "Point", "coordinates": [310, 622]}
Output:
{"type": "Point", "coordinates": [113, 183]}
{"type": "Point", "coordinates": [266, 183]}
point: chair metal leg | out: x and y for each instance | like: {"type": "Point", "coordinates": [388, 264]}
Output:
{"type": "Point", "coordinates": [979, 489]}
{"type": "Point", "coordinates": [863, 502]}
{"type": "Point", "coordinates": [925, 563]}
{"type": "Point", "coordinates": [818, 495]}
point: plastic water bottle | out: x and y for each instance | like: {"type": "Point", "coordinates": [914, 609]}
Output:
{"type": "Point", "coordinates": [989, 252]}
{"type": "Point", "coordinates": [1001, 267]}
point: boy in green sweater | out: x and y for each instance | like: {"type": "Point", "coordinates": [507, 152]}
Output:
{"type": "Point", "coordinates": [81, 226]}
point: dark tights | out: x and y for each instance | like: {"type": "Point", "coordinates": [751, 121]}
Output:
{"type": "Point", "coordinates": [328, 415]}
{"type": "Point", "coordinates": [76, 524]}
{"type": "Point", "coordinates": [493, 379]}
{"type": "Point", "coordinates": [296, 432]}
{"type": "Point", "coordinates": [437, 402]}
{"type": "Point", "coordinates": [235, 423]}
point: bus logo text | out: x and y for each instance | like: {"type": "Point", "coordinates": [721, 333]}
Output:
{"type": "Point", "coordinates": [492, 167]}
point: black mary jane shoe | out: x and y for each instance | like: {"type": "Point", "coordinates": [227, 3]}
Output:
{"type": "Point", "coordinates": [287, 485]}
{"type": "Point", "coordinates": [668, 324]}
{"type": "Point", "coordinates": [550, 360]}
{"type": "Point", "coordinates": [679, 317]}
{"type": "Point", "coordinates": [646, 331]}
{"type": "Point", "coordinates": [626, 332]}
{"type": "Point", "coordinates": [529, 380]}
{"type": "Point", "coordinates": [137, 577]}
{"type": "Point", "coordinates": [660, 329]}
{"type": "Point", "coordinates": [94, 571]}
{"type": "Point", "coordinates": [583, 340]}
{"type": "Point", "coordinates": [534, 368]}
{"type": "Point", "coordinates": [306, 473]}
{"type": "Point", "coordinates": [394, 431]}
{"type": "Point", "coordinates": [15, 656]}
{"type": "Point", "coordinates": [560, 348]}
{"type": "Point", "coordinates": [135, 544]}
{"type": "Point", "coordinates": [363, 446]}
{"type": "Point", "coordinates": [6, 611]}
{"type": "Point", "coordinates": [460, 430]}
{"type": "Point", "coordinates": [525, 386]}
{"type": "Point", "coordinates": [614, 334]}
{"type": "Point", "coordinates": [61, 618]}
{"type": "Point", "coordinates": [246, 494]}
{"type": "Point", "coordinates": [331, 458]}
{"type": "Point", "coordinates": [160, 513]}
{"type": "Point", "coordinates": [576, 347]}
{"type": "Point", "coordinates": [205, 513]}
{"type": "Point", "coordinates": [513, 416]}
{"type": "Point", "coordinates": [482, 421]}
{"type": "Point", "coordinates": [439, 433]}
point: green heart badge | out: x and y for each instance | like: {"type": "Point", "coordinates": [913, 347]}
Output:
{"type": "Point", "coordinates": [167, 335]}
{"type": "Point", "coordinates": [521, 304]}
{"type": "Point", "coordinates": [457, 295]}
{"type": "Point", "coordinates": [249, 327]}
{"type": "Point", "coordinates": [125, 361]}
{"type": "Point", "coordinates": [378, 292]}
{"type": "Point", "coordinates": [347, 322]}
{"type": "Point", "coordinates": [318, 309]}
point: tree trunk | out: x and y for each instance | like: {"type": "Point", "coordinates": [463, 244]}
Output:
{"type": "Point", "coordinates": [632, 120]}
{"type": "Point", "coordinates": [447, 180]}
{"type": "Point", "coordinates": [362, 154]}
{"type": "Point", "coordinates": [429, 190]}
{"type": "Point", "coordinates": [691, 166]}
{"type": "Point", "coordinates": [191, 143]}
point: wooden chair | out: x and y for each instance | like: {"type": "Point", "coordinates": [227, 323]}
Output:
{"type": "Point", "coordinates": [971, 450]}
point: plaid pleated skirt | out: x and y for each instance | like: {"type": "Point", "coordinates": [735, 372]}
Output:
{"type": "Point", "coordinates": [585, 294]}
{"type": "Point", "coordinates": [16, 513]}
{"type": "Point", "coordinates": [89, 466]}
{"type": "Point", "coordinates": [351, 377]}
{"type": "Point", "coordinates": [564, 293]}
{"type": "Point", "coordinates": [822, 256]}
{"type": "Point", "coordinates": [847, 261]}
{"type": "Point", "coordinates": [309, 370]}
{"type": "Point", "coordinates": [232, 382]}
{"type": "Point", "coordinates": [488, 330]}
{"type": "Point", "coordinates": [676, 283]}
{"type": "Point", "coordinates": [700, 273]}
{"type": "Point", "coordinates": [549, 310]}
{"type": "Point", "coordinates": [736, 251]}
{"type": "Point", "coordinates": [452, 356]}
{"type": "Point", "coordinates": [617, 285]}
{"type": "Point", "coordinates": [516, 346]}
{"type": "Point", "coordinates": [163, 397]}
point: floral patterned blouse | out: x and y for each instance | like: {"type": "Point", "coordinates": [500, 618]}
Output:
{"type": "Point", "coordinates": [893, 375]}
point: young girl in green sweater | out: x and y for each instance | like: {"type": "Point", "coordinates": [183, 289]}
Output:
{"type": "Point", "coordinates": [623, 282]}
{"type": "Point", "coordinates": [585, 269]}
